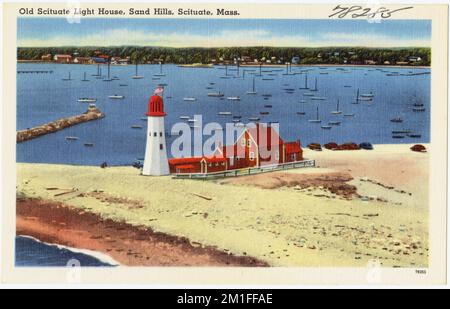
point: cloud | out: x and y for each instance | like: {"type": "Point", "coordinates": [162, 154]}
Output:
{"type": "Point", "coordinates": [224, 38]}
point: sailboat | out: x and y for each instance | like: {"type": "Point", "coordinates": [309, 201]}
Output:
{"type": "Point", "coordinates": [337, 111]}
{"type": "Point", "coordinates": [306, 82]}
{"type": "Point", "coordinates": [317, 120]}
{"type": "Point", "coordinates": [84, 78]}
{"type": "Point", "coordinates": [98, 71]}
{"type": "Point", "coordinates": [68, 78]}
{"type": "Point", "coordinates": [226, 73]}
{"type": "Point", "coordinates": [136, 75]}
{"type": "Point", "coordinates": [253, 89]}
{"type": "Point", "coordinates": [357, 97]}
{"type": "Point", "coordinates": [315, 85]}
{"type": "Point", "coordinates": [99, 76]}
{"type": "Point", "coordinates": [160, 71]}
{"type": "Point", "coordinates": [109, 73]}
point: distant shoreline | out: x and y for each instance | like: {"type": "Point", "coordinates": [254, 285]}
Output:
{"type": "Point", "coordinates": [193, 65]}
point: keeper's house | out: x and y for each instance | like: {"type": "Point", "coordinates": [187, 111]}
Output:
{"type": "Point", "coordinates": [256, 146]}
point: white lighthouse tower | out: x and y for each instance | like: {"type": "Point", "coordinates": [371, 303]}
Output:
{"type": "Point", "coordinates": [155, 163]}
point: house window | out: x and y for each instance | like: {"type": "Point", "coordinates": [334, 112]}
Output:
{"type": "Point", "coordinates": [160, 134]}
{"type": "Point", "coordinates": [252, 155]}
{"type": "Point", "coordinates": [150, 134]}
{"type": "Point", "coordinates": [277, 156]}
{"type": "Point", "coordinates": [161, 147]}
{"type": "Point", "coordinates": [210, 164]}
{"type": "Point", "coordinates": [155, 134]}
{"type": "Point", "coordinates": [217, 164]}
{"type": "Point", "coordinates": [243, 142]}
{"type": "Point", "coordinates": [249, 143]}
{"type": "Point", "coordinates": [293, 156]}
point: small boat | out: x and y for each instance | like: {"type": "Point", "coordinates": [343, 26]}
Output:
{"type": "Point", "coordinates": [115, 78]}
{"type": "Point", "coordinates": [337, 111]}
{"type": "Point", "coordinates": [89, 144]}
{"type": "Point", "coordinates": [418, 109]}
{"type": "Point", "coordinates": [317, 120]}
{"type": "Point", "coordinates": [289, 89]}
{"type": "Point", "coordinates": [398, 136]}
{"type": "Point", "coordinates": [215, 94]}
{"type": "Point", "coordinates": [236, 120]}
{"type": "Point", "coordinates": [414, 135]}
{"type": "Point", "coordinates": [184, 117]}
{"type": "Point", "coordinates": [267, 78]}
{"type": "Point", "coordinates": [323, 73]}
{"type": "Point", "coordinates": [318, 98]}
{"type": "Point", "coordinates": [135, 126]}
{"type": "Point", "coordinates": [209, 88]}
{"type": "Point", "coordinates": [308, 94]}
{"type": "Point", "coordinates": [144, 118]}
{"type": "Point", "coordinates": [116, 96]}
{"type": "Point", "coordinates": [301, 113]}
{"type": "Point", "coordinates": [365, 99]}
{"type": "Point", "coordinates": [156, 78]}
{"type": "Point", "coordinates": [123, 85]}
{"type": "Point", "coordinates": [71, 138]}
{"type": "Point", "coordinates": [224, 113]}
{"type": "Point", "coordinates": [349, 115]}
{"type": "Point", "coordinates": [397, 119]}
{"type": "Point", "coordinates": [237, 117]}
{"type": "Point", "coordinates": [367, 95]}
{"type": "Point", "coordinates": [87, 100]}
{"type": "Point", "coordinates": [84, 78]}
{"type": "Point", "coordinates": [189, 99]}
{"type": "Point", "coordinates": [268, 106]}
{"type": "Point", "coordinates": [253, 118]}
{"type": "Point", "coordinates": [266, 95]}
{"type": "Point", "coordinates": [326, 127]}
{"type": "Point", "coordinates": [212, 83]}
{"type": "Point", "coordinates": [264, 113]}
{"type": "Point", "coordinates": [401, 131]}
{"type": "Point", "coordinates": [234, 98]}
{"type": "Point", "coordinates": [418, 104]}
{"type": "Point", "coordinates": [334, 123]}
{"type": "Point", "coordinates": [347, 86]}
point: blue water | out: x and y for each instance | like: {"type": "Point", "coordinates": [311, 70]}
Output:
{"type": "Point", "coordinates": [30, 252]}
{"type": "Point", "coordinates": [46, 97]}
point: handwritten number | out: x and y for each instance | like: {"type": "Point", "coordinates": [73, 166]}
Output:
{"type": "Point", "coordinates": [357, 11]}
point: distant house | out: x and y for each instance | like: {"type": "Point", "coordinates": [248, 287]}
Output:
{"type": "Point", "coordinates": [62, 58]}
{"type": "Point", "coordinates": [370, 62]}
{"type": "Point", "coordinates": [82, 60]}
{"type": "Point", "coordinates": [295, 60]}
{"type": "Point", "coordinates": [402, 62]}
{"type": "Point", "coordinates": [47, 57]}
{"type": "Point", "coordinates": [99, 60]}
{"type": "Point", "coordinates": [387, 62]}
{"type": "Point", "coordinates": [415, 59]}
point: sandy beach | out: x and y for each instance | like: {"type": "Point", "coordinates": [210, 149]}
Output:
{"type": "Point", "coordinates": [355, 206]}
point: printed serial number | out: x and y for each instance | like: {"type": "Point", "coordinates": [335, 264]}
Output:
{"type": "Point", "coordinates": [246, 299]}
{"type": "Point", "coordinates": [357, 11]}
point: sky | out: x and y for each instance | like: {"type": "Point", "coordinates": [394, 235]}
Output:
{"type": "Point", "coordinates": [54, 32]}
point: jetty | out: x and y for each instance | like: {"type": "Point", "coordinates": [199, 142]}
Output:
{"type": "Point", "coordinates": [92, 113]}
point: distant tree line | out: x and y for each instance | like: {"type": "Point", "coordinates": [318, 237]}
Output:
{"type": "Point", "coordinates": [322, 55]}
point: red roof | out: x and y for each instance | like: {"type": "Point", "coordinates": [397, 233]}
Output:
{"type": "Point", "coordinates": [175, 161]}
{"type": "Point", "coordinates": [292, 147]}
{"type": "Point", "coordinates": [265, 135]}
{"type": "Point", "coordinates": [185, 167]}
{"type": "Point", "coordinates": [156, 106]}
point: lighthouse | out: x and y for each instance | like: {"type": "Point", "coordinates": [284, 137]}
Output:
{"type": "Point", "coordinates": [155, 162]}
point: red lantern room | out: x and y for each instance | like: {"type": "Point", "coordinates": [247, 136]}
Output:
{"type": "Point", "coordinates": [155, 106]}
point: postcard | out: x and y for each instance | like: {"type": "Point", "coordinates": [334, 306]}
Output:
{"type": "Point", "coordinates": [224, 143]}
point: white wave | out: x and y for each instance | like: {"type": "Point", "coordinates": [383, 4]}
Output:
{"type": "Point", "coordinates": [98, 255]}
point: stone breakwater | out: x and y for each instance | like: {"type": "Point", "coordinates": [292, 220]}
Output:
{"type": "Point", "coordinates": [60, 124]}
